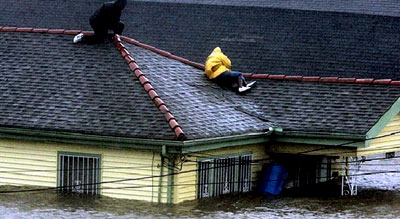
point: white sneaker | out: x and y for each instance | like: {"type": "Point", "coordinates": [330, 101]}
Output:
{"type": "Point", "coordinates": [251, 84]}
{"type": "Point", "coordinates": [78, 38]}
{"type": "Point", "coordinates": [244, 88]}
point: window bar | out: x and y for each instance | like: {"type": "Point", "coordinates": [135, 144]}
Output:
{"type": "Point", "coordinates": [96, 174]}
{"type": "Point", "coordinates": [236, 178]}
{"type": "Point", "coordinates": [231, 176]}
{"type": "Point", "coordinates": [206, 179]}
{"type": "Point", "coordinates": [226, 179]}
{"type": "Point", "coordinates": [241, 174]}
{"type": "Point", "coordinates": [203, 179]}
{"type": "Point", "coordinates": [217, 175]}
{"type": "Point", "coordinates": [87, 175]}
{"type": "Point", "coordinates": [78, 171]}
{"type": "Point", "coordinates": [248, 173]}
{"type": "Point", "coordinates": [222, 173]}
{"type": "Point", "coordinates": [73, 174]}
{"type": "Point", "coordinates": [61, 171]}
{"type": "Point", "coordinates": [82, 171]}
{"type": "Point", "coordinates": [93, 173]}
{"type": "Point", "coordinates": [68, 174]}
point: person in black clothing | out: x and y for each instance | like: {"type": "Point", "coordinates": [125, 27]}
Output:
{"type": "Point", "coordinates": [104, 19]}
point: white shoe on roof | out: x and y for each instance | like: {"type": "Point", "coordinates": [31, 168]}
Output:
{"type": "Point", "coordinates": [78, 38]}
{"type": "Point", "coordinates": [250, 84]}
{"type": "Point", "coordinates": [244, 88]}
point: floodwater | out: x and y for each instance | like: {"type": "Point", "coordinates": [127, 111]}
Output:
{"type": "Point", "coordinates": [378, 197]}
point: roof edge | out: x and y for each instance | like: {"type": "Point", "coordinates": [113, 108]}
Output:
{"type": "Point", "coordinates": [391, 112]}
{"type": "Point", "coordinates": [85, 139]}
{"type": "Point", "coordinates": [198, 145]}
{"type": "Point", "coordinates": [145, 82]}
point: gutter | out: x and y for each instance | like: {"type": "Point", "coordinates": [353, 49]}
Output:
{"type": "Point", "coordinates": [222, 142]}
{"type": "Point", "coordinates": [162, 146]}
{"type": "Point", "coordinates": [183, 147]}
{"type": "Point", "coordinates": [85, 139]}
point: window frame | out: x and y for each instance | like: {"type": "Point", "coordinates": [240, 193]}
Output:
{"type": "Point", "coordinates": [84, 155]}
{"type": "Point", "coordinates": [211, 174]}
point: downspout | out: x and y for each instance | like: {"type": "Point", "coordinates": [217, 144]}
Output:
{"type": "Point", "coordinates": [170, 184]}
{"type": "Point", "coordinates": [170, 175]}
{"type": "Point", "coordinates": [163, 155]}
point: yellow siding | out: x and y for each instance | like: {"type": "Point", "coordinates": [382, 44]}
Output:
{"type": "Point", "coordinates": [189, 179]}
{"type": "Point", "coordinates": [384, 144]}
{"type": "Point", "coordinates": [16, 157]}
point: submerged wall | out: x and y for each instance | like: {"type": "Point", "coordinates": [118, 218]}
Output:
{"type": "Point", "coordinates": [21, 160]}
{"type": "Point", "coordinates": [188, 176]}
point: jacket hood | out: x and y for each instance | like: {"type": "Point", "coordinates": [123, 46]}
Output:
{"type": "Point", "coordinates": [120, 4]}
{"type": "Point", "coordinates": [217, 50]}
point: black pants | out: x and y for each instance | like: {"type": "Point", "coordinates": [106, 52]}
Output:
{"type": "Point", "coordinates": [101, 34]}
{"type": "Point", "coordinates": [230, 79]}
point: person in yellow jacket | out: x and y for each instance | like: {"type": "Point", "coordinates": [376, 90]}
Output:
{"type": "Point", "coordinates": [218, 69]}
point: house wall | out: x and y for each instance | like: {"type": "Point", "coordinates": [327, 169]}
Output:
{"type": "Point", "coordinates": [116, 164]}
{"type": "Point", "coordinates": [384, 144]}
{"type": "Point", "coordinates": [188, 175]}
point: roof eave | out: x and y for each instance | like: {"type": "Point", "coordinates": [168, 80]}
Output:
{"type": "Point", "coordinates": [384, 119]}
{"type": "Point", "coordinates": [226, 141]}
{"type": "Point", "coordinates": [85, 139]}
{"type": "Point", "coordinates": [174, 146]}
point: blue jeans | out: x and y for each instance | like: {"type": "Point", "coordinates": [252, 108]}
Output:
{"type": "Point", "coordinates": [229, 79]}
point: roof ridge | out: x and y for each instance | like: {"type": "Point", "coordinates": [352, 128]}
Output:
{"type": "Point", "coordinates": [145, 82]}
{"type": "Point", "coordinates": [163, 52]}
{"type": "Point", "coordinates": [322, 79]}
{"type": "Point", "coordinates": [202, 67]}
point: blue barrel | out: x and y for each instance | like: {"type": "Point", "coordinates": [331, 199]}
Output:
{"type": "Point", "coordinates": [274, 177]}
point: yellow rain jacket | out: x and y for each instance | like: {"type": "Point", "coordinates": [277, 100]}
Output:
{"type": "Point", "coordinates": [217, 63]}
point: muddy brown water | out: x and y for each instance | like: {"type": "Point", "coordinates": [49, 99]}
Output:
{"type": "Point", "coordinates": [371, 203]}
{"type": "Point", "coordinates": [379, 197]}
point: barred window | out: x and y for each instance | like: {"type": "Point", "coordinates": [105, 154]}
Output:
{"type": "Point", "coordinates": [79, 173]}
{"type": "Point", "coordinates": [224, 175]}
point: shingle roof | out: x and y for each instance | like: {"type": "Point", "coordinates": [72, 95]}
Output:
{"type": "Point", "coordinates": [309, 104]}
{"type": "Point", "coordinates": [47, 83]}
{"type": "Point", "coordinates": [257, 39]}
{"type": "Point", "coordinates": [320, 107]}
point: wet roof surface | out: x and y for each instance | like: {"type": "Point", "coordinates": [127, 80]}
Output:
{"type": "Point", "coordinates": [292, 105]}
{"type": "Point", "coordinates": [49, 83]}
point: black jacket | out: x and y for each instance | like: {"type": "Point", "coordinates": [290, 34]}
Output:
{"type": "Point", "coordinates": [108, 16]}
